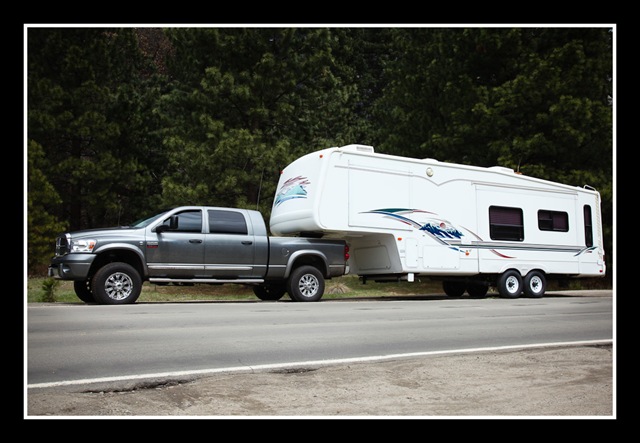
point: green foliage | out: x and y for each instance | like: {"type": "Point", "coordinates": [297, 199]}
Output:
{"type": "Point", "coordinates": [43, 226]}
{"type": "Point", "coordinates": [265, 97]}
{"type": "Point", "coordinates": [124, 121]}
{"type": "Point", "coordinates": [87, 109]}
{"type": "Point", "coordinates": [49, 287]}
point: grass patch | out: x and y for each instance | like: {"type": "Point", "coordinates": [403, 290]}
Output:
{"type": "Point", "coordinates": [349, 286]}
{"type": "Point", "coordinates": [342, 287]}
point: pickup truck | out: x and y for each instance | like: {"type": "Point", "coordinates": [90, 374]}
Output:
{"type": "Point", "coordinates": [196, 244]}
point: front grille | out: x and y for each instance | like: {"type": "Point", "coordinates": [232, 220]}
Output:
{"type": "Point", "coordinates": [62, 245]}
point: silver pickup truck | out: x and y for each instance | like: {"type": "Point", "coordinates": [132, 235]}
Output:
{"type": "Point", "coordinates": [196, 244]}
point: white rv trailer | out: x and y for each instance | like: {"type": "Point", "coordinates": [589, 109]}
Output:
{"type": "Point", "coordinates": [471, 227]}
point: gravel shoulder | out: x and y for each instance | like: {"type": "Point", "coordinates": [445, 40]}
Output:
{"type": "Point", "coordinates": [567, 381]}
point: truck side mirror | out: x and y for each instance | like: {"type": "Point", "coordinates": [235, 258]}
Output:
{"type": "Point", "coordinates": [172, 226]}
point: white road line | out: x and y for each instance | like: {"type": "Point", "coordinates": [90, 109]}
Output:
{"type": "Point", "coordinates": [240, 369]}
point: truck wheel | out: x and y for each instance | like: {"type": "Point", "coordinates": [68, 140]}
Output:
{"type": "Point", "coordinates": [306, 283]}
{"type": "Point", "coordinates": [453, 288]}
{"type": "Point", "coordinates": [269, 292]}
{"type": "Point", "coordinates": [510, 284]}
{"type": "Point", "coordinates": [535, 284]}
{"type": "Point", "coordinates": [83, 291]}
{"type": "Point", "coordinates": [116, 284]}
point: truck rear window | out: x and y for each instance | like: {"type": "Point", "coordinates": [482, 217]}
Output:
{"type": "Point", "coordinates": [227, 222]}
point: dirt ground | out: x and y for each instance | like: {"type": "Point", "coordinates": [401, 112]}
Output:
{"type": "Point", "coordinates": [567, 382]}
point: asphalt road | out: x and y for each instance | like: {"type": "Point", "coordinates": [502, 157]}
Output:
{"type": "Point", "coordinates": [574, 379]}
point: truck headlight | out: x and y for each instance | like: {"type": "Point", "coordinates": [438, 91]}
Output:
{"type": "Point", "coordinates": [82, 245]}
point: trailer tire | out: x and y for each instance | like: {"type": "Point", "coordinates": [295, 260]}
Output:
{"type": "Point", "coordinates": [453, 289]}
{"type": "Point", "coordinates": [305, 283]}
{"type": "Point", "coordinates": [510, 284]}
{"type": "Point", "coordinates": [270, 292]}
{"type": "Point", "coordinates": [83, 291]}
{"type": "Point", "coordinates": [116, 284]}
{"type": "Point", "coordinates": [535, 284]}
{"type": "Point", "coordinates": [477, 290]}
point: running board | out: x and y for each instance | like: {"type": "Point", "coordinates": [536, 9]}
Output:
{"type": "Point", "coordinates": [205, 280]}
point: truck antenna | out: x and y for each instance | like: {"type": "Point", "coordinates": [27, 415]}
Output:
{"type": "Point", "coordinates": [259, 190]}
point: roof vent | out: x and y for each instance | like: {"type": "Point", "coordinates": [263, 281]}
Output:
{"type": "Point", "coordinates": [358, 148]}
{"type": "Point", "coordinates": [502, 169]}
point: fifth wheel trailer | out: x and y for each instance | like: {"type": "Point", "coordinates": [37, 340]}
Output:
{"type": "Point", "coordinates": [470, 227]}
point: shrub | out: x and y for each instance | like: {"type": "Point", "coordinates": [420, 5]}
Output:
{"type": "Point", "coordinates": [49, 287]}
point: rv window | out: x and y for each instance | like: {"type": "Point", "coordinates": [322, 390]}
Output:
{"type": "Point", "coordinates": [506, 223]}
{"type": "Point", "coordinates": [553, 221]}
{"type": "Point", "coordinates": [588, 226]}
{"type": "Point", "coordinates": [227, 222]}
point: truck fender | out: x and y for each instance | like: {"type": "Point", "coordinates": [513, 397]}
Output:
{"type": "Point", "coordinates": [316, 255]}
{"type": "Point", "coordinates": [136, 249]}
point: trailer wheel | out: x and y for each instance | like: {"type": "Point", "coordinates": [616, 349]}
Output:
{"type": "Point", "coordinates": [116, 284]}
{"type": "Point", "coordinates": [510, 284]}
{"type": "Point", "coordinates": [453, 288]}
{"type": "Point", "coordinates": [269, 292]}
{"type": "Point", "coordinates": [305, 283]}
{"type": "Point", "coordinates": [535, 284]}
{"type": "Point", "coordinates": [83, 291]}
{"type": "Point", "coordinates": [477, 290]}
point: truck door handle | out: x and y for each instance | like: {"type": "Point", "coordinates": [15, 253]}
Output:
{"type": "Point", "coordinates": [195, 240]}
{"type": "Point", "coordinates": [247, 242]}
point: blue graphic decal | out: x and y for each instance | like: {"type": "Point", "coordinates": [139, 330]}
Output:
{"type": "Point", "coordinates": [588, 250]}
{"type": "Point", "coordinates": [437, 227]}
{"type": "Point", "coordinates": [292, 189]}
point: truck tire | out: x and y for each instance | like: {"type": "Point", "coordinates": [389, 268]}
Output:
{"type": "Point", "coordinates": [305, 283]}
{"type": "Point", "coordinates": [83, 291]}
{"type": "Point", "coordinates": [535, 284]}
{"type": "Point", "coordinates": [270, 292]}
{"type": "Point", "coordinates": [116, 284]}
{"type": "Point", "coordinates": [510, 284]}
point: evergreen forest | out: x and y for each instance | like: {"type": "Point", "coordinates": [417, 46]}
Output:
{"type": "Point", "coordinates": [122, 122]}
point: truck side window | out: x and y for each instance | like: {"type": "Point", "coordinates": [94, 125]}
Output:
{"type": "Point", "coordinates": [227, 222]}
{"type": "Point", "coordinates": [588, 226]}
{"type": "Point", "coordinates": [506, 223]}
{"type": "Point", "coordinates": [188, 221]}
{"type": "Point", "coordinates": [553, 221]}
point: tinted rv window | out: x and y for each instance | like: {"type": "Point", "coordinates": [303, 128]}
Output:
{"type": "Point", "coordinates": [506, 223]}
{"type": "Point", "coordinates": [227, 222]}
{"type": "Point", "coordinates": [588, 226]}
{"type": "Point", "coordinates": [553, 221]}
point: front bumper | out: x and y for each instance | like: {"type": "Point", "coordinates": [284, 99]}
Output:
{"type": "Point", "coordinates": [71, 266]}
